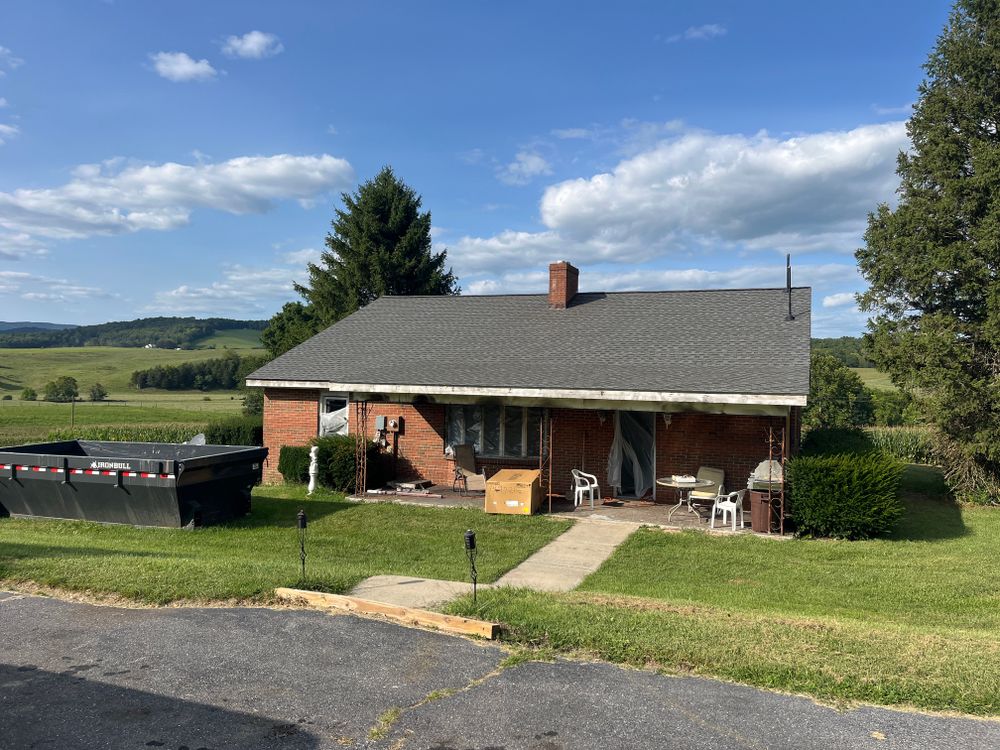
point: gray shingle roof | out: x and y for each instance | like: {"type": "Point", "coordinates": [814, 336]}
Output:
{"type": "Point", "coordinates": [713, 341]}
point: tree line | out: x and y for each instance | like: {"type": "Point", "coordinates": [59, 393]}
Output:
{"type": "Point", "coordinates": [163, 333]}
{"type": "Point", "coordinates": [847, 349]}
{"type": "Point", "coordinates": [224, 373]}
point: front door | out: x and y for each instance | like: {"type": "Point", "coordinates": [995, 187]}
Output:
{"type": "Point", "coordinates": [632, 462]}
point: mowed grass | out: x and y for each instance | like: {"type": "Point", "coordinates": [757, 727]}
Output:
{"type": "Point", "coordinates": [346, 542]}
{"type": "Point", "coordinates": [234, 338]}
{"type": "Point", "coordinates": [874, 379]}
{"type": "Point", "coordinates": [111, 366]}
{"type": "Point", "coordinates": [909, 620]}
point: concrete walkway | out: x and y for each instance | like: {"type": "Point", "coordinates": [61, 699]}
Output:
{"type": "Point", "coordinates": [558, 566]}
{"type": "Point", "coordinates": [406, 591]}
{"type": "Point", "coordinates": [564, 562]}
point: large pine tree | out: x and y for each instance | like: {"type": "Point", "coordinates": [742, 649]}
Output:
{"type": "Point", "coordinates": [380, 245]}
{"type": "Point", "coordinates": [933, 262]}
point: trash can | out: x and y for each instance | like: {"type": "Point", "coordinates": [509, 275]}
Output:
{"type": "Point", "coordinates": [761, 514]}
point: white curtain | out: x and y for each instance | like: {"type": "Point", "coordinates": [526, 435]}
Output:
{"type": "Point", "coordinates": [633, 442]}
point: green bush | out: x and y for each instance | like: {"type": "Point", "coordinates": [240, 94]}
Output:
{"type": "Point", "coordinates": [157, 433]}
{"type": "Point", "coordinates": [29, 394]}
{"type": "Point", "coordinates": [293, 463]}
{"type": "Point", "coordinates": [847, 496]}
{"type": "Point", "coordinates": [337, 464]}
{"type": "Point", "coordinates": [826, 441]}
{"type": "Point", "coordinates": [239, 430]}
{"type": "Point", "coordinates": [913, 445]}
{"type": "Point", "coordinates": [8, 397]}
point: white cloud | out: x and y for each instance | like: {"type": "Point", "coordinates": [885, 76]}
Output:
{"type": "Point", "coordinates": [654, 279]}
{"type": "Point", "coordinates": [840, 299]}
{"type": "Point", "coordinates": [8, 61]}
{"type": "Point", "coordinates": [472, 156]}
{"type": "Point", "coordinates": [752, 189]}
{"type": "Point", "coordinates": [180, 67]}
{"type": "Point", "coordinates": [7, 132]}
{"type": "Point", "coordinates": [302, 257]}
{"type": "Point", "coordinates": [113, 199]}
{"type": "Point", "coordinates": [20, 245]}
{"type": "Point", "coordinates": [526, 166]}
{"type": "Point", "coordinates": [243, 290]}
{"type": "Point", "coordinates": [3, 102]}
{"type": "Point", "coordinates": [34, 288]}
{"type": "Point", "coordinates": [254, 45]}
{"type": "Point", "coordinates": [330, 130]}
{"type": "Point", "coordinates": [699, 33]}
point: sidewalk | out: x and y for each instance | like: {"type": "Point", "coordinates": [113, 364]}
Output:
{"type": "Point", "coordinates": [558, 566]}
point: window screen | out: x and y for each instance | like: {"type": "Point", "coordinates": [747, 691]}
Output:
{"type": "Point", "coordinates": [494, 430]}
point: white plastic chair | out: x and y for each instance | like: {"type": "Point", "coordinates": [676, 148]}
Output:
{"type": "Point", "coordinates": [584, 484]}
{"type": "Point", "coordinates": [731, 504]}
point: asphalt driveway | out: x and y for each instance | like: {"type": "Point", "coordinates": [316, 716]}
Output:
{"type": "Point", "coordinates": [79, 676]}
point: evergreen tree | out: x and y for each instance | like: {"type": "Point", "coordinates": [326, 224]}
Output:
{"type": "Point", "coordinates": [933, 262]}
{"type": "Point", "coordinates": [380, 245]}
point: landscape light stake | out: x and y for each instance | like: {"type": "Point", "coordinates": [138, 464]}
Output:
{"type": "Point", "coordinates": [302, 523]}
{"type": "Point", "coordinates": [470, 551]}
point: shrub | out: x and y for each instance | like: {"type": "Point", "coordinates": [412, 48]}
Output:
{"type": "Point", "coordinates": [337, 464]}
{"type": "Point", "coordinates": [98, 392]}
{"type": "Point", "coordinates": [239, 430]}
{"type": "Point", "coordinates": [8, 397]}
{"type": "Point", "coordinates": [826, 441]}
{"type": "Point", "coordinates": [847, 496]}
{"type": "Point", "coordinates": [890, 407]}
{"type": "Point", "coordinates": [156, 433]}
{"type": "Point", "coordinates": [29, 394]}
{"type": "Point", "coordinates": [293, 463]}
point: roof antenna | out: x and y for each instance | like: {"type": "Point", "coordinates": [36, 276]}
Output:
{"type": "Point", "coordinates": [788, 284]}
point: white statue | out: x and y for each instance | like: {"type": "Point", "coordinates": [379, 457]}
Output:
{"type": "Point", "coordinates": [313, 468]}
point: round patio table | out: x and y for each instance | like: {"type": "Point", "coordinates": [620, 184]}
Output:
{"type": "Point", "coordinates": [683, 491]}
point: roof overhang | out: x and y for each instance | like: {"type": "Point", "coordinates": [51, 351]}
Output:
{"type": "Point", "coordinates": [660, 400]}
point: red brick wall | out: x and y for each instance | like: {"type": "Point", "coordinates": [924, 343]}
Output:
{"type": "Point", "coordinates": [291, 417]}
{"type": "Point", "coordinates": [735, 444]}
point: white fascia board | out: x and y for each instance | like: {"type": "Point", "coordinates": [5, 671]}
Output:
{"type": "Point", "coordinates": [541, 393]}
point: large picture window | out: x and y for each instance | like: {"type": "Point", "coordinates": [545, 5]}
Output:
{"type": "Point", "coordinates": [509, 431]}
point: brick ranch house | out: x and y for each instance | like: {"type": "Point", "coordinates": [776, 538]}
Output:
{"type": "Point", "coordinates": [683, 378]}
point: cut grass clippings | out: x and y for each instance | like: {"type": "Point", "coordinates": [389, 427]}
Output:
{"type": "Point", "coordinates": [346, 542]}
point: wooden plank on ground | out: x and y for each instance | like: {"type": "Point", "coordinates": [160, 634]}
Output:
{"type": "Point", "coordinates": [405, 615]}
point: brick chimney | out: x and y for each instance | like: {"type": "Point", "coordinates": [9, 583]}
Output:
{"type": "Point", "coordinates": [564, 280]}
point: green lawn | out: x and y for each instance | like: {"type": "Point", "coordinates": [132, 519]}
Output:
{"type": "Point", "coordinates": [234, 338]}
{"type": "Point", "coordinates": [346, 543]}
{"type": "Point", "coordinates": [111, 366]}
{"type": "Point", "coordinates": [874, 379]}
{"type": "Point", "coordinates": [908, 620]}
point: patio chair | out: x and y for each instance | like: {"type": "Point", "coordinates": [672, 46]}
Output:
{"type": "Point", "coordinates": [584, 484]}
{"type": "Point", "coordinates": [731, 504]}
{"type": "Point", "coordinates": [709, 494]}
{"type": "Point", "coordinates": [467, 479]}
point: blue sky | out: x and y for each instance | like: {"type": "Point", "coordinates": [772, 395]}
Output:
{"type": "Point", "coordinates": [185, 158]}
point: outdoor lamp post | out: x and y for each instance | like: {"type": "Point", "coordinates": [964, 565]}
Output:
{"type": "Point", "coordinates": [470, 551]}
{"type": "Point", "coordinates": [302, 523]}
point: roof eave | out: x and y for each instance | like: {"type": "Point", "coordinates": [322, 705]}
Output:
{"type": "Point", "coordinates": [574, 394]}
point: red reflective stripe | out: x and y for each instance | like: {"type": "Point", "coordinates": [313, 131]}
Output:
{"type": "Point", "coordinates": [38, 468]}
{"type": "Point", "coordinates": [165, 476]}
{"type": "Point", "coordinates": [23, 468]}
{"type": "Point", "coordinates": [54, 470]}
{"type": "Point", "coordinates": [147, 475]}
{"type": "Point", "coordinates": [91, 471]}
{"type": "Point", "coordinates": [78, 471]}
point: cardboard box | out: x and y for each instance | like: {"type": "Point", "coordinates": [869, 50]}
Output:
{"type": "Point", "coordinates": [514, 491]}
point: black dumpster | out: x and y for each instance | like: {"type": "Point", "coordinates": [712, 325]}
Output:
{"type": "Point", "coordinates": [143, 484]}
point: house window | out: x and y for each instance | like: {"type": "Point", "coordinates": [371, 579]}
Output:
{"type": "Point", "coordinates": [509, 431]}
{"type": "Point", "coordinates": [333, 415]}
